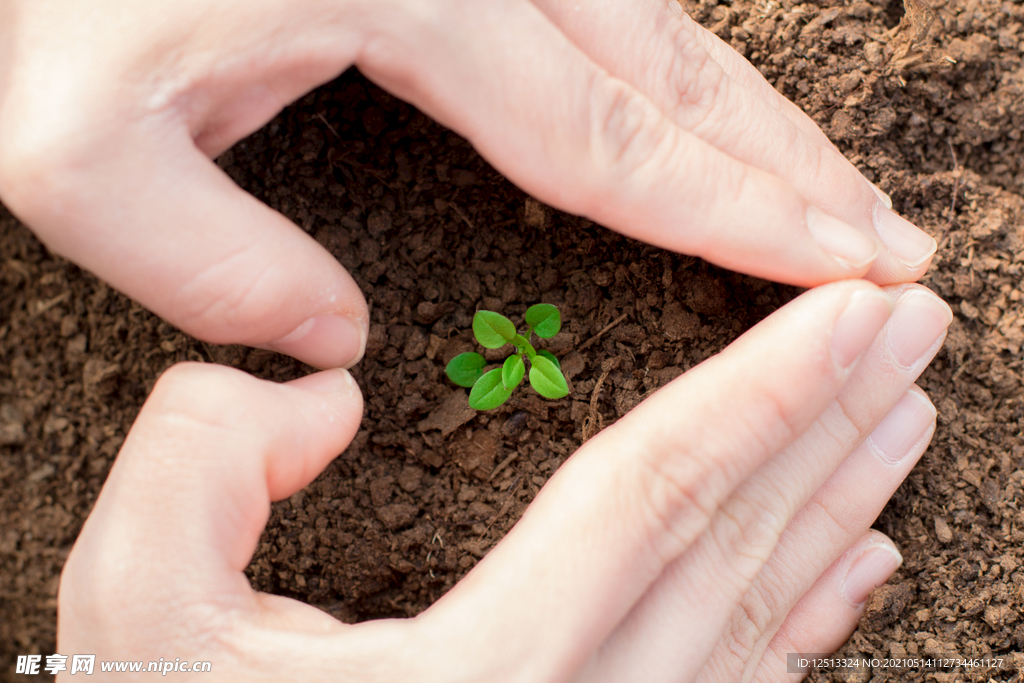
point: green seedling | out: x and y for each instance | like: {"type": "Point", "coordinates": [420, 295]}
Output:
{"type": "Point", "coordinates": [493, 330]}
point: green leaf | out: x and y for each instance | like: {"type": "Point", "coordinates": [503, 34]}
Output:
{"type": "Point", "coordinates": [493, 330]}
{"type": "Point", "coordinates": [465, 369]}
{"type": "Point", "coordinates": [546, 378]}
{"type": "Point", "coordinates": [489, 391]}
{"type": "Point", "coordinates": [512, 371]}
{"type": "Point", "coordinates": [545, 320]}
{"type": "Point", "coordinates": [551, 357]}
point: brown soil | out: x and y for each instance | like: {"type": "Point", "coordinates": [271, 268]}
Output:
{"type": "Point", "coordinates": [931, 111]}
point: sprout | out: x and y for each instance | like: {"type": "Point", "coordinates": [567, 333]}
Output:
{"type": "Point", "coordinates": [493, 330]}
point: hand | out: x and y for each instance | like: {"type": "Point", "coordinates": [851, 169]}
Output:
{"type": "Point", "coordinates": [720, 524]}
{"type": "Point", "coordinates": [623, 111]}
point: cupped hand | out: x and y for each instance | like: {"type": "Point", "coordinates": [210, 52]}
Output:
{"type": "Point", "coordinates": [624, 111]}
{"type": "Point", "coordinates": [719, 525]}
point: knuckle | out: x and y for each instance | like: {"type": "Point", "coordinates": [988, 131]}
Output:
{"type": "Point", "coordinates": [837, 525]}
{"type": "Point", "coordinates": [743, 534]}
{"type": "Point", "coordinates": [838, 427]}
{"type": "Point", "coordinates": [679, 494]}
{"type": "Point", "coordinates": [684, 482]}
{"type": "Point", "coordinates": [628, 133]}
{"type": "Point", "coordinates": [759, 613]}
{"type": "Point", "coordinates": [696, 85]}
{"type": "Point", "coordinates": [748, 529]}
{"type": "Point", "coordinates": [787, 414]}
{"type": "Point", "coordinates": [41, 158]}
{"type": "Point", "coordinates": [27, 176]}
{"type": "Point", "coordinates": [749, 625]}
{"type": "Point", "coordinates": [756, 615]}
{"type": "Point", "coordinates": [766, 426]}
{"type": "Point", "coordinates": [775, 587]}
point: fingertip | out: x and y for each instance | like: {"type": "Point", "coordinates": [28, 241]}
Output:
{"type": "Point", "coordinates": [886, 199]}
{"type": "Point", "coordinates": [873, 559]}
{"type": "Point", "coordinates": [336, 382]}
{"type": "Point", "coordinates": [330, 410]}
{"type": "Point", "coordinates": [828, 613]}
{"type": "Point", "coordinates": [910, 245]}
{"type": "Point", "coordinates": [917, 327]}
{"type": "Point", "coordinates": [327, 340]}
{"type": "Point", "coordinates": [903, 434]}
{"type": "Point", "coordinates": [219, 419]}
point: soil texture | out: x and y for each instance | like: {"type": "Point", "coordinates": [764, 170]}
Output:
{"type": "Point", "coordinates": [927, 100]}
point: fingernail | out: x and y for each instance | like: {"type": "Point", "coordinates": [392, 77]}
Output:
{"type": "Point", "coordinates": [886, 199]}
{"type": "Point", "coordinates": [916, 324]}
{"type": "Point", "coordinates": [845, 243]}
{"type": "Point", "coordinates": [904, 240]}
{"type": "Point", "coordinates": [873, 568]}
{"type": "Point", "coordinates": [904, 426]}
{"type": "Point", "coordinates": [858, 325]}
{"type": "Point", "coordinates": [325, 341]}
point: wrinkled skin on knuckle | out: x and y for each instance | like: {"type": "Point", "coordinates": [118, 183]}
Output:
{"type": "Point", "coordinates": [752, 620]}
{"type": "Point", "coordinates": [742, 536]}
{"type": "Point", "coordinates": [676, 491]}
{"type": "Point", "coordinates": [722, 53]}
{"type": "Point", "coordinates": [745, 630]}
{"type": "Point", "coordinates": [744, 641]}
{"type": "Point", "coordinates": [755, 618]}
{"type": "Point", "coordinates": [675, 512]}
{"type": "Point", "coordinates": [747, 526]}
{"type": "Point", "coordinates": [695, 83]}
{"type": "Point", "coordinates": [628, 135]}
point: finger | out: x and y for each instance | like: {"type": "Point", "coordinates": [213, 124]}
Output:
{"type": "Point", "coordinates": [839, 513]}
{"type": "Point", "coordinates": [746, 74]}
{"type": "Point", "coordinates": [826, 616]}
{"type": "Point", "coordinates": [711, 579]}
{"type": "Point", "coordinates": [633, 498]}
{"type": "Point", "coordinates": [680, 71]}
{"type": "Point", "coordinates": [182, 239]}
{"type": "Point", "coordinates": [181, 513]}
{"type": "Point", "coordinates": [588, 142]}
{"type": "Point", "coordinates": [106, 171]}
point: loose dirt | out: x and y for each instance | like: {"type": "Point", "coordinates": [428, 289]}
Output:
{"type": "Point", "coordinates": [928, 102]}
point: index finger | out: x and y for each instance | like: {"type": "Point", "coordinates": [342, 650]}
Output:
{"type": "Point", "coordinates": [589, 142]}
{"type": "Point", "coordinates": [708, 89]}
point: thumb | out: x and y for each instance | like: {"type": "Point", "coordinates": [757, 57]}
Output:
{"type": "Point", "coordinates": [145, 210]}
{"type": "Point", "coordinates": [180, 515]}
